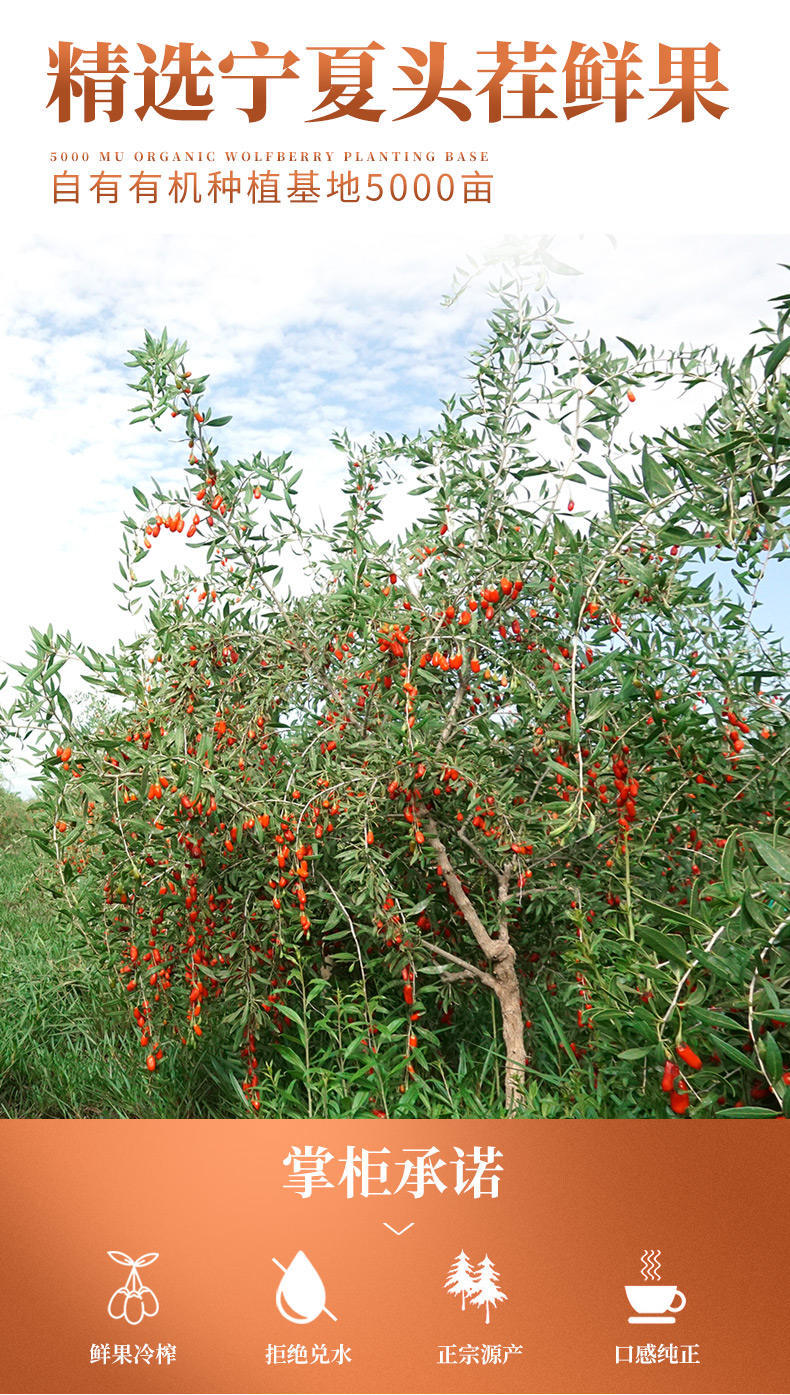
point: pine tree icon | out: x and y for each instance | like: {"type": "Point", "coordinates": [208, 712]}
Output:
{"type": "Point", "coordinates": [486, 1291]}
{"type": "Point", "coordinates": [460, 1281]}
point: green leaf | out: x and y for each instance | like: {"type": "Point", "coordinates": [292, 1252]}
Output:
{"type": "Point", "coordinates": [657, 481]}
{"type": "Point", "coordinates": [747, 1111]}
{"type": "Point", "coordinates": [590, 468]}
{"type": "Point", "coordinates": [739, 1058]}
{"type": "Point", "coordinates": [668, 946]}
{"type": "Point", "coordinates": [727, 863]}
{"type": "Point", "coordinates": [776, 355]}
{"type": "Point", "coordinates": [65, 707]}
{"type": "Point", "coordinates": [777, 858]}
{"type": "Point", "coordinates": [772, 1057]}
{"type": "Point", "coordinates": [291, 1015]}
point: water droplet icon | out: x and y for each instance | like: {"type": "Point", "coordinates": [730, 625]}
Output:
{"type": "Point", "coordinates": [301, 1296]}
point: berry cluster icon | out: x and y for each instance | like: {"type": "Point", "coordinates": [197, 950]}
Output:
{"type": "Point", "coordinates": [133, 1301]}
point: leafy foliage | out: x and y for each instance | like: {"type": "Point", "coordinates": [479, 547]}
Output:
{"type": "Point", "coordinates": [503, 799]}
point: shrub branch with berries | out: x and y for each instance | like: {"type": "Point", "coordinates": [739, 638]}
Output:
{"type": "Point", "coordinates": [490, 816]}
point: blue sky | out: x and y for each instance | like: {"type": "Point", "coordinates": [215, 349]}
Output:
{"type": "Point", "coordinates": [301, 341]}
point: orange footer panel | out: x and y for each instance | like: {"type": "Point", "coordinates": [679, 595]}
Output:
{"type": "Point", "coordinates": [394, 1257]}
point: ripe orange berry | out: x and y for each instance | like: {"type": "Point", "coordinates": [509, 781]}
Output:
{"type": "Point", "coordinates": [678, 1102]}
{"type": "Point", "coordinates": [690, 1057]}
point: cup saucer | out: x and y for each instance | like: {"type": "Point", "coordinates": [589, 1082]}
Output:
{"type": "Point", "coordinates": [652, 1317]}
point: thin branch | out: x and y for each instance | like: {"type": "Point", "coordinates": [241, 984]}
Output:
{"type": "Point", "coordinates": [368, 1013]}
{"type": "Point", "coordinates": [752, 986]}
{"type": "Point", "coordinates": [468, 970]}
{"type": "Point", "coordinates": [481, 857]}
{"type": "Point", "coordinates": [490, 947]}
{"type": "Point", "coordinates": [504, 891]}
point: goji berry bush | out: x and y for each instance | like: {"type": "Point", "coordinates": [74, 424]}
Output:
{"type": "Point", "coordinates": [490, 816]}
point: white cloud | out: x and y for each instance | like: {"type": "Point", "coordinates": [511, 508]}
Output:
{"type": "Point", "coordinates": [297, 348]}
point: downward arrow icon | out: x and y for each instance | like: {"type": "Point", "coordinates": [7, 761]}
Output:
{"type": "Point", "coordinates": [399, 1232]}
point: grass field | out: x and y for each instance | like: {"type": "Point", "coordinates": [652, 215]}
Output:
{"type": "Point", "coordinates": [66, 1047]}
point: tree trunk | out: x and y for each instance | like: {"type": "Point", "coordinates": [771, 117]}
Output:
{"type": "Point", "coordinates": [499, 952]}
{"type": "Point", "coordinates": [509, 994]}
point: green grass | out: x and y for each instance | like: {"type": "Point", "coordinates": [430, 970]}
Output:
{"type": "Point", "coordinates": [67, 1044]}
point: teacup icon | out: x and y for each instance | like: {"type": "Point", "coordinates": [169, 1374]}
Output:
{"type": "Point", "coordinates": [654, 1302]}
